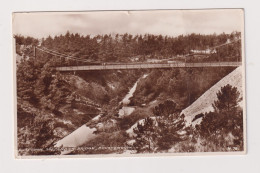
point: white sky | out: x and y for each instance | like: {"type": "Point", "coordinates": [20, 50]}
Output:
{"type": "Point", "coordinates": [165, 22]}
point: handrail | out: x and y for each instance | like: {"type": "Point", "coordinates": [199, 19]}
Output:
{"type": "Point", "coordinates": [147, 65]}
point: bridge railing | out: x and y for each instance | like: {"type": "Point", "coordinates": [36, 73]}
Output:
{"type": "Point", "coordinates": [143, 66]}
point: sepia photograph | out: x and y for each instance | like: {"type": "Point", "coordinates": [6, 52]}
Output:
{"type": "Point", "coordinates": [129, 83]}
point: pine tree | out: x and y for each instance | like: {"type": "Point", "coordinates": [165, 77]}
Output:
{"type": "Point", "coordinates": [227, 119]}
{"type": "Point", "coordinates": [145, 136]}
{"type": "Point", "coordinates": [170, 131]}
{"type": "Point", "coordinates": [165, 109]}
{"type": "Point", "coordinates": [161, 132]}
{"type": "Point", "coordinates": [228, 98]}
{"type": "Point", "coordinates": [170, 125]}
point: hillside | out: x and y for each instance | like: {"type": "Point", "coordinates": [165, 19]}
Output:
{"type": "Point", "coordinates": [204, 103]}
{"type": "Point", "coordinates": [51, 105]}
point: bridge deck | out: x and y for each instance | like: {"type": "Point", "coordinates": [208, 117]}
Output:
{"type": "Point", "coordinates": [146, 65]}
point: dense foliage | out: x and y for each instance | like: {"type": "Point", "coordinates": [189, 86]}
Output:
{"type": "Point", "coordinates": [50, 105]}
{"type": "Point", "coordinates": [160, 132]}
{"type": "Point", "coordinates": [127, 47]}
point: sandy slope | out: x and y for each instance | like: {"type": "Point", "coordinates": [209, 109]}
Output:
{"type": "Point", "coordinates": [130, 131]}
{"type": "Point", "coordinates": [77, 138]}
{"type": "Point", "coordinates": [204, 103]}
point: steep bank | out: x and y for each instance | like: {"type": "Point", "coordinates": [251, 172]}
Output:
{"type": "Point", "coordinates": [68, 101]}
{"type": "Point", "coordinates": [86, 133]}
{"type": "Point", "coordinates": [204, 103]}
{"type": "Point", "coordinates": [183, 85]}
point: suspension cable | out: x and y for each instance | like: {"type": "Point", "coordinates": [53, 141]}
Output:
{"type": "Point", "coordinates": [63, 56]}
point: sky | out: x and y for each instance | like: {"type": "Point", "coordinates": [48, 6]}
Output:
{"type": "Point", "coordinates": [164, 22]}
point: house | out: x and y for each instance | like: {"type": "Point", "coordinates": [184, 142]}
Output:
{"type": "Point", "coordinates": [207, 51]}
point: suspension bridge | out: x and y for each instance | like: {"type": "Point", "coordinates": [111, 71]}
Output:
{"type": "Point", "coordinates": [146, 66]}
{"type": "Point", "coordinates": [72, 63]}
